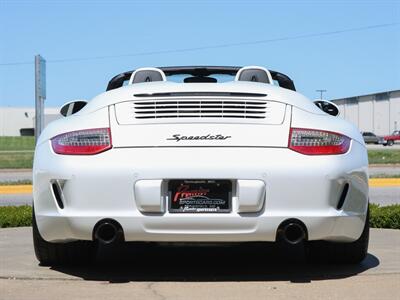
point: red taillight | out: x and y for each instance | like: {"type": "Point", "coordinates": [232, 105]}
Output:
{"type": "Point", "coordinates": [318, 142]}
{"type": "Point", "coordinates": [82, 142]}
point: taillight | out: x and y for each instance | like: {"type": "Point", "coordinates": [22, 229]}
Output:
{"type": "Point", "coordinates": [318, 142]}
{"type": "Point", "coordinates": [82, 142]}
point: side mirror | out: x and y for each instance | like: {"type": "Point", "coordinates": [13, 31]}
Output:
{"type": "Point", "coordinates": [328, 107]}
{"type": "Point", "coordinates": [72, 107]}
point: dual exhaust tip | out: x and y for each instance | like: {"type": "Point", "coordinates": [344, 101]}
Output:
{"type": "Point", "coordinates": [291, 231]}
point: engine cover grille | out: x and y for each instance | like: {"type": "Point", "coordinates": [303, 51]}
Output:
{"type": "Point", "coordinates": [173, 109]}
{"type": "Point", "coordinates": [199, 109]}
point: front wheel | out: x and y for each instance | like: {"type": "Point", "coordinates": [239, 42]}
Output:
{"type": "Point", "coordinates": [390, 143]}
{"type": "Point", "coordinates": [340, 253]}
{"type": "Point", "coordinates": [72, 253]}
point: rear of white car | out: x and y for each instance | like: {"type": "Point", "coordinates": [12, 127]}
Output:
{"type": "Point", "coordinates": [229, 162]}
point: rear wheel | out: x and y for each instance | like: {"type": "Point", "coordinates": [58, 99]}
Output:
{"type": "Point", "coordinates": [341, 253]}
{"type": "Point", "coordinates": [72, 253]}
{"type": "Point", "coordinates": [390, 143]}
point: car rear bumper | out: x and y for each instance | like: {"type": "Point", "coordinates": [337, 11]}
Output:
{"type": "Point", "coordinates": [307, 188]}
{"type": "Point", "coordinates": [206, 228]}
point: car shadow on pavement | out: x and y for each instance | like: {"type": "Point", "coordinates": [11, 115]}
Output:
{"type": "Point", "coordinates": [250, 262]}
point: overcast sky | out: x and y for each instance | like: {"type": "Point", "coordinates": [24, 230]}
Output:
{"type": "Point", "coordinates": [346, 47]}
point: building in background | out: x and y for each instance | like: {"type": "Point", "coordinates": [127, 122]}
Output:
{"type": "Point", "coordinates": [378, 113]}
{"type": "Point", "coordinates": [17, 121]}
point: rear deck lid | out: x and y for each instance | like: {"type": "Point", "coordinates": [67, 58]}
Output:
{"type": "Point", "coordinates": [200, 122]}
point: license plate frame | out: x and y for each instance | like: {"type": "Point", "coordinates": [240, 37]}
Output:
{"type": "Point", "coordinates": [199, 196]}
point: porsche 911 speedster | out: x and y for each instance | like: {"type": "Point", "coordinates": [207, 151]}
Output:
{"type": "Point", "coordinates": [200, 155]}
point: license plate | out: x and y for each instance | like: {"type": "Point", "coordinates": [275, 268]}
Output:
{"type": "Point", "coordinates": [200, 196]}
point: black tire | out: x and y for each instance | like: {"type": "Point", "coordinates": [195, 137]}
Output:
{"type": "Point", "coordinates": [390, 143]}
{"type": "Point", "coordinates": [72, 253]}
{"type": "Point", "coordinates": [340, 253]}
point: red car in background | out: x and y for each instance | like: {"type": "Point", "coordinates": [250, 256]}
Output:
{"type": "Point", "coordinates": [391, 139]}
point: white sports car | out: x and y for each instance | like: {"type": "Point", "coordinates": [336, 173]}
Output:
{"type": "Point", "coordinates": [200, 155]}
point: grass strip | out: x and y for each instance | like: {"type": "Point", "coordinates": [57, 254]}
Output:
{"type": "Point", "coordinates": [9, 143]}
{"type": "Point", "coordinates": [385, 216]}
{"type": "Point", "coordinates": [15, 216]}
{"type": "Point", "coordinates": [16, 160]}
{"type": "Point", "coordinates": [383, 157]}
{"type": "Point", "coordinates": [384, 176]}
{"type": "Point", "coordinates": [16, 182]}
{"type": "Point", "coordinates": [380, 216]}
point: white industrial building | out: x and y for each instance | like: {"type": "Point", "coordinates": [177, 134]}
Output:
{"type": "Point", "coordinates": [378, 113]}
{"type": "Point", "coordinates": [16, 121]}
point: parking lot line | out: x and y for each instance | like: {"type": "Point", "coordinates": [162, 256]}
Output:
{"type": "Point", "coordinates": [384, 182]}
{"type": "Point", "coordinates": [27, 189]}
{"type": "Point", "coordinates": [16, 189]}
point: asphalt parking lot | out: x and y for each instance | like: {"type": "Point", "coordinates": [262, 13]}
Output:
{"type": "Point", "coordinates": [199, 273]}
